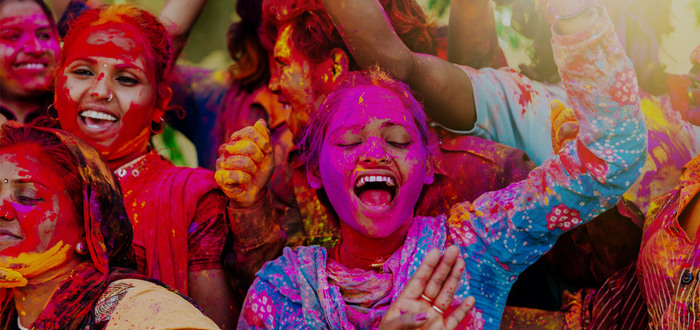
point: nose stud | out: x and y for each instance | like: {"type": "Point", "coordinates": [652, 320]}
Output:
{"type": "Point", "coordinates": [5, 181]}
{"type": "Point", "coordinates": [6, 211]}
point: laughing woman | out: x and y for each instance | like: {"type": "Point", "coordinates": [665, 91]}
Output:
{"type": "Point", "coordinates": [112, 91]}
{"type": "Point", "coordinates": [65, 243]}
{"type": "Point", "coordinates": [367, 148]}
{"type": "Point", "coordinates": [29, 47]}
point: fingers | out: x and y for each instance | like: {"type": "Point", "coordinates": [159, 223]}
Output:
{"type": "Point", "coordinates": [243, 163]}
{"type": "Point", "coordinates": [258, 134]}
{"type": "Point", "coordinates": [226, 178]}
{"type": "Point", "coordinates": [449, 287]}
{"type": "Point", "coordinates": [441, 272]}
{"type": "Point", "coordinates": [415, 286]}
{"type": "Point", "coordinates": [261, 127]}
{"type": "Point", "coordinates": [459, 313]}
{"type": "Point", "coordinates": [245, 148]}
{"type": "Point", "coordinates": [406, 321]}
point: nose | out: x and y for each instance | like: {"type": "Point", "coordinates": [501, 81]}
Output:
{"type": "Point", "coordinates": [100, 88]}
{"type": "Point", "coordinates": [374, 152]}
{"type": "Point", "coordinates": [7, 211]}
{"type": "Point", "coordinates": [274, 83]}
{"type": "Point", "coordinates": [33, 45]}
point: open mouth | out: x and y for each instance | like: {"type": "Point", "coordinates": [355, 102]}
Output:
{"type": "Point", "coordinates": [97, 120]}
{"type": "Point", "coordinates": [30, 66]}
{"type": "Point", "coordinates": [375, 190]}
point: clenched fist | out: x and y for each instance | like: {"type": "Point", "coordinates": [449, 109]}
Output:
{"type": "Point", "coordinates": [245, 165]}
{"type": "Point", "coordinates": [564, 125]}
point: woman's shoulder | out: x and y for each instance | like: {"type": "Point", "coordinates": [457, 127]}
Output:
{"type": "Point", "coordinates": [133, 303]}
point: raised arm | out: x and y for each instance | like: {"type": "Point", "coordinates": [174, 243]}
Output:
{"type": "Point", "coordinates": [507, 230]}
{"type": "Point", "coordinates": [472, 38]}
{"type": "Point", "coordinates": [179, 17]}
{"type": "Point", "coordinates": [445, 88]}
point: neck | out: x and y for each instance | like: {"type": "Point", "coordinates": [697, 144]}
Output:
{"type": "Point", "coordinates": [21, 107]}
{"type": "Point", "coordinates": [31, 299]}
{"type": "Point", "coordinates": [356, 250]}
{"type": "Point", "coordinates": [114, 164]}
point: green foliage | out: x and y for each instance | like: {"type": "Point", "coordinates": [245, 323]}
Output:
{"type": "Point", "coordinates": [696, 7]}
{"type": "Point", "coordinates": [439, 7]}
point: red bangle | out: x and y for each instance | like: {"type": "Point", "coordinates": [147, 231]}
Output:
{"type": "Point", "coordinates": [586, 5]}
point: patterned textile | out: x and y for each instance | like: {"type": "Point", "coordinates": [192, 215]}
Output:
{"type": "Point", "coordinates": [138, 304]}
{"type": "Point", "coordinates": [501, 232]}
{"type": "Point", "coordinates": [514, 110]}
{"type": "Point", "coordinates": [668, 263]}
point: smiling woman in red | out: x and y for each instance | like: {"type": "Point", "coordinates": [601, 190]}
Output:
{"type": "Point", "coordinates": [29, 47]}
{"type": "Point", "coordinates": [112, 89]}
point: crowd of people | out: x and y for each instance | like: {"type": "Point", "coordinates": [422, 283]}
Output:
{"type": "Point", "coordinates": [361, 167]}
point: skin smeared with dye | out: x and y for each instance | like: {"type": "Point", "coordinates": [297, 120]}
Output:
{"type": "Point", "coordinates": [372, 135]}
{"type": "Point", "coordinates": [28, 50]}
{"type": "Point", "coordinates": [106, 91]}
{"type": "Point", "coordinates": [299, 82]}
{"type": "Point", "coordinates": [39, 225]}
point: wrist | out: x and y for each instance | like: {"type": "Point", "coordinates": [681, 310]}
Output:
{"type": "Point", "coordinates": [569, 9]}
{"type": "Point", "coordinates": [242, 205]}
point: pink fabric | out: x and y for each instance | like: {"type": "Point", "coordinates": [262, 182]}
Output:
{"type": "Point", "coordinates": [162, 201]}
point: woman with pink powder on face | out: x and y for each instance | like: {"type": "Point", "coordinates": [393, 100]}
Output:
{"type": "Point", "coordinates": [29, 46]}
{"type": "Point", "coordinates": [367, 149]}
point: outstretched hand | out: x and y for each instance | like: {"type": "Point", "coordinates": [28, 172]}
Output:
{"type": "Point", "coordinates": [564, 125]}
{"type": "Point", "coordinates": [245, 165]}
{"type": "Point", "coordinates": [429, 293]}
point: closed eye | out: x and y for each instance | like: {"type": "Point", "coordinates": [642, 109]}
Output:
{"type": "Point", "coordinates": [28, 200]}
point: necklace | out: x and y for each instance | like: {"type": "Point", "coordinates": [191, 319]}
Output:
{"type": "Point", "coordinates": [133, 167]}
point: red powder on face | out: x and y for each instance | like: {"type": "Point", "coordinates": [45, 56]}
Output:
{"type": "Point", "coordinates": [107, 48]}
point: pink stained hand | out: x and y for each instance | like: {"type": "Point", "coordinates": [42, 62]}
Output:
{"type": "Point", "coordinates": [436, 279]}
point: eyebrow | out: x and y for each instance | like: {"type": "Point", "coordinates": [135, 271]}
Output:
{"type": "Point", "coordinates": [23, 181]}
{"type": "Point", "coordinates": [85, 59]}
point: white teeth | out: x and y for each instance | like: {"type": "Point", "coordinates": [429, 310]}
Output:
{"type": "Point", "coordinates": [375, 178]}
{"type": "Point", "coordinates": [98, 115]}
{"type": "Point", "coordinates": [33, 66]}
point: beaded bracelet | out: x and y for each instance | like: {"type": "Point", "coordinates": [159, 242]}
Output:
{"type": "Point", "coordinates": [586, 5]}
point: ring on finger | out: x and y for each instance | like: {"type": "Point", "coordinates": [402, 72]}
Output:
{"type": "Point", "coordinates": [426, 298]}
{"type": "Point", "coordinates": [438, 309]}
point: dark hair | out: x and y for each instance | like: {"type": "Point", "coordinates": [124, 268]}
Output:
{"type": "Point", "coordinates": [61, 158]}
{"type": "Point", "coordinates": [44, 7]}
{"type": "Point", "coordinates": [646, 23]}
{"type": "Point", "coordinates": [159, 43]}
{"type": "Point", "coordinates": [251, 68]}
{"type": "Point", "coordinates": [314, 134]}
{"type": "Point", "coordinates": [315, 35]}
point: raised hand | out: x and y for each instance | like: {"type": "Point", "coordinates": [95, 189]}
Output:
{"type": "Point", "coordinates": [245, 165]}
{"type": "Point", "coordinates": [429, 293]}
{"type": "Point", "coordinates": [564, 125]}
